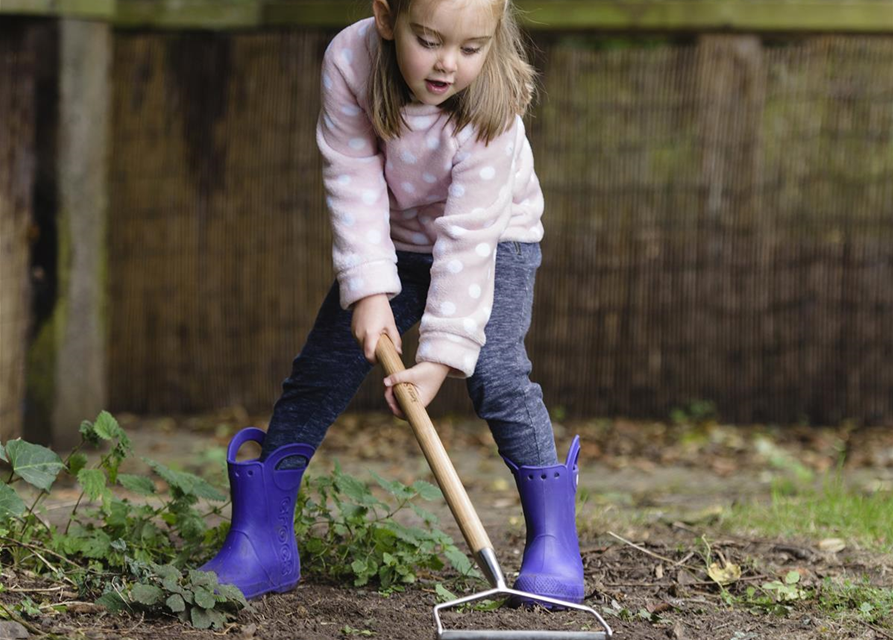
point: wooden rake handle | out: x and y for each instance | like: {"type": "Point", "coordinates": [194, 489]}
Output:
{"type": "Point", "coordinates": [432, 447]}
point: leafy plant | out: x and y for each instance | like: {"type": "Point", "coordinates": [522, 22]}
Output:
{"type": "Point", "coordinates": [788, 590]}
{"type": "Point", "coordinates": [347, 533]}
{"type": "Point", "coordinates": [194, 597]}
{"type": "Point", "coordinates": [859, 599]}
{"type": "Point", "coordinates": [118, 551]}
{"type": "Point", "coordinates": [775, 596]}
{"type": "Point", "coordinates": [135, 556]}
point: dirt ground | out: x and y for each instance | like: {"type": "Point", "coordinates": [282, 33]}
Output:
{"type": "Point", "coordinates": [649, 492]}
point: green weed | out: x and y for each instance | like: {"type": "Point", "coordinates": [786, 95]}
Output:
{"type": "Point", "coordinates": [848, 599]}
{"type": "Point", "coordinates": [347, 533]}
{"type": "Point", "coordinates": [138, 555]}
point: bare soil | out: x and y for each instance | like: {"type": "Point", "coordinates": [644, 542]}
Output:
{"type": "Point", "coordinates": [651, 493]}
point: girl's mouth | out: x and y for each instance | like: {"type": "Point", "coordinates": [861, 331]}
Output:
{"type": "Point", "coordinates": [437, 87]}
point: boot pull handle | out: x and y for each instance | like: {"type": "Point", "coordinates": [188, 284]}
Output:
{"type": "Point", "coordinates": [432, 447]}
{"type": "Point", "coordinates": [248, 434]}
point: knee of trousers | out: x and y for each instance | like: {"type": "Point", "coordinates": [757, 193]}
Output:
{"type": "Point", "coordinates": [503, 397]}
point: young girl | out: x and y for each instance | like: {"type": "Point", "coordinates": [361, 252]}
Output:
{"type": "Point", "coordinates": [436, 213]}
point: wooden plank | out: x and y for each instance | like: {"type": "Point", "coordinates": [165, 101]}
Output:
{"type": "Point", "coordinates": [647, 15]}
{"type": "Point", "coordinates": [833, 16]}
{"type": "Point", "coordinates": [314, 13]}
{"type": "Point", "coordinates": [191, 14]}
{"type": "Point", "coordinates": [700, 15]}
{"type": "Point", "coordinates": [96, 9]}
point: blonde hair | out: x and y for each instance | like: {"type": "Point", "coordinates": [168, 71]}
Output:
{"type": "Point", "coordinates": [504, 88]}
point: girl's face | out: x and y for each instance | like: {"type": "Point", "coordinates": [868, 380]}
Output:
{"type": "Point", "coordinates": [442, 44]}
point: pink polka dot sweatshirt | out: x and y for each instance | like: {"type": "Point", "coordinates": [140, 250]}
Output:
{"type": "Point", "coordinates": [432, 190]}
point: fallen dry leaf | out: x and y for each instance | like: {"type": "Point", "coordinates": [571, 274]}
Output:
{"type": "Point", "coordinates": [832, 545]}
{"type": "Point", "coordinates": [726, 574]}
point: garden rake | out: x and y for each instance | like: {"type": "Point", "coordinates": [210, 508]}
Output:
{"type": "Point", "coordinates": [470, 524]}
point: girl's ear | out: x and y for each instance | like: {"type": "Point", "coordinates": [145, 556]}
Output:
{"type": "Point", "coordinates": [384, 19]}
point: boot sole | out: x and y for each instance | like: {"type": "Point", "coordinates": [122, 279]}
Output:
{"type": "Point", "coordinates": [285, 588]}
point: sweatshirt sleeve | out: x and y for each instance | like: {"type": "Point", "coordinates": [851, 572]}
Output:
{"type": "Point", "coordinates": [353, 173]}
{"type": "Point", "coordinates": [477, 212]}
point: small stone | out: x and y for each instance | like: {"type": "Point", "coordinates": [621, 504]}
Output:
{"type": "Point", "coordinates": [249, 630]}
{"type": "Point", "coordinates": [677, 632]}
{"type": "Point", "coordinates": [12, 631]}
{"type": "Point", "coordinates": [685, 578]}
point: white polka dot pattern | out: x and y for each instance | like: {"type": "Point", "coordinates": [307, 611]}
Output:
{"type": "Point", "coordinates": [430, 187]}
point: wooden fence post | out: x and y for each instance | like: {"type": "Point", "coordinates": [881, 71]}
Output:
{"type": "Point", "coordinates": [71, 348]}
{"type": "Point", "coordinates": [16, 181]}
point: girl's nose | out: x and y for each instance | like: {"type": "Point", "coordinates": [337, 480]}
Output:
{"type": "Point", "coordinates": [446, 63]}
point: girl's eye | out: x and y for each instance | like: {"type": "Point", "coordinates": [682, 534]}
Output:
{"type": "Point", "coordinates": [470, 52]}
{"type": "Point", "coordinates": [426, 43]}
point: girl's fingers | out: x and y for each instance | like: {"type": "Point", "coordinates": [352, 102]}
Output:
{"type": "Point", "coordinates": [392, 403]}
{"type": "Point", "coordinates": [369, 344]}
{"type": "Point", "coordinates": [394, 335]}
{"type": "Point", "coordinates": [397, 378]}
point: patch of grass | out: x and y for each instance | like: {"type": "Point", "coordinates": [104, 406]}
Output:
{"type": "Point", "coordinates": [849, 600]}
{"type": "Point", "coordinates": [842, 599]}
{"type": "Point", "coordinates": [831, 511]}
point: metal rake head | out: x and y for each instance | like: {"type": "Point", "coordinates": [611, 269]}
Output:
{"type": "Point", "coordinates": [496, 634]}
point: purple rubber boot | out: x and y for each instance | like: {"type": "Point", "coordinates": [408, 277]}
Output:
{"type": "Point", "coordinates": [260, 553]}
{"type": "Point", "coordinates": [552, 565]}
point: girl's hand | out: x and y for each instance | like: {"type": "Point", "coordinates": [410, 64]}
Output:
{"type": "Point", "coordinates": [427, 378]}
{"type": "Point", "coordinates": [372, 316]}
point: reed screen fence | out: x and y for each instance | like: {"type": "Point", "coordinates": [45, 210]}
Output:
{"type": "Point", "coordinates": [719, 223]}
{"type": "Point", "coordinates": [719, 217]}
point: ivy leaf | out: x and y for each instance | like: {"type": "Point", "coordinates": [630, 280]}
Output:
{"type": "Point", "coordinates": [93, 482]}
{"type": "Point", "coordinates": [394, 487]}
{"type": "Point", "coordinates": [111, 601]}
{"type": "Point", "coordinates": [97, 545]}
{"type": "Point", "coordinates": [231, 592]}
{"type": "Point", "coordinates": [186, 482]}
{"type": "Point", "coordinates": [444, 594]}
{"type": "Point", "coordinates": [353, 488]}
{"type": "Point", "coordinates": [3, 454]}
{"type": "Point", "coordinates": [10, 503]}
{"type": "Point", "coordinates": [33, 463]}
{"type": "Point", "coordinates": [138, 484]}
{"type": "Point", "coordinates": [460, 561]}
{"type": "Point", "coordinates": [424, 514]}
{"type": "Point", "coordinates": [201, 578]}
{"type": "Point", "coordinates": [201, 618]}
{"type": "Point", "coordinates": [427, 490]}
{"type": "Point", "coordinates": [76, 462]}
{"type": "Point", "coordinates": [147, 594]}
{"type": "Point", "coordinates": [204, 598]}
{"type": "Point", "coordinates": [176, 603]}
{"type": "Point", "coordinates": [358, 566]}
{"type": "Point", "coordinates": [106, 426]}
